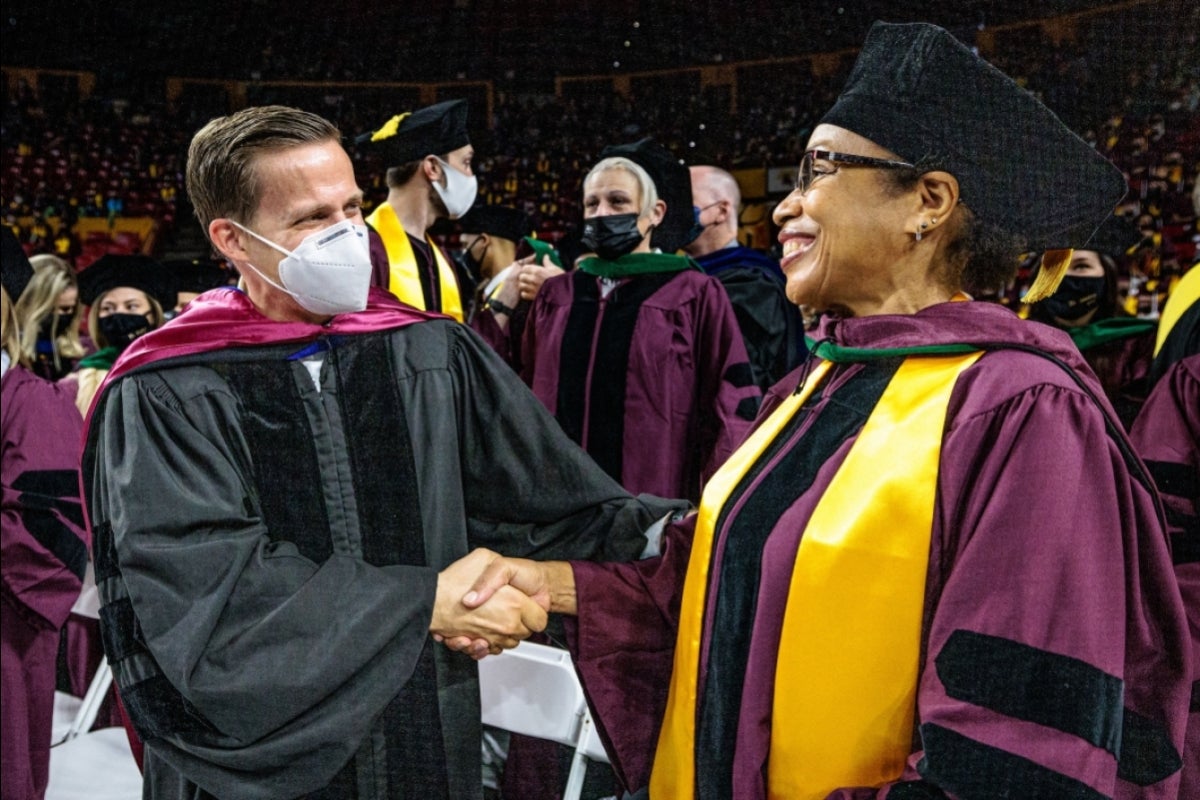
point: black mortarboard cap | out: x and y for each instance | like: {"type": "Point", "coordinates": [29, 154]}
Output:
{"type": "Point", "coordinates": [197, 274]}
{"type": "Point", "coordinates": [15, 269]}
{"type": "Point", "coordinates": [922, 94]}
{"type": "Point", "coordinates": [1114, 238]}
{"type": "Point", "coordinates": [139, 272]}
{"type": "Point", "coordinates": [433, 130]}
{"type": "Point", "coordinates": [674, 184]}
{"type": "Point", "coordinates": [503, 221]}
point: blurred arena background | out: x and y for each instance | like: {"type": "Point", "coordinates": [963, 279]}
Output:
{"type": "Point", "coordinates": [102, 99]}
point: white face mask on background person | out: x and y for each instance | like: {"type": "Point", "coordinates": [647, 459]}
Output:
{"type": "Point", "coordinates": [329, 272]}
{"type": "Point", "coordinates": [459, 193]}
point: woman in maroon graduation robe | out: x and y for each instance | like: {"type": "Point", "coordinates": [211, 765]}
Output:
{"type": "Point", "coordinates": [638, 353]}
{"type": "Point", "coordinates": [43, 558]}
{"type": "Point", "coordinates": [1117, 346]}
{"type": "Point", "coordinates": [936, 569]}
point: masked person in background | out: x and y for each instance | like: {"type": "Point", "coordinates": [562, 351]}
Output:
{"type": "Point", "coordinates": [282, 484]}
{"type": "Point", "coordinates": [637, 353]}
{"type": "Point", "coordinates": [491, 238]}
{"type": "Point", "coordinates": [428, 155]}
{"type": "Point", "coordinates": [1117, 346]}
{"type": "Point", "coordinates": [48, 315]}
{"type": "Point", "coordinates": [770, 323]}
{"type": "Point", "coordinates": [125, 296]}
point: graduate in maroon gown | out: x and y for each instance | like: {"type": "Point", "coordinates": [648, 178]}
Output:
{"type": "Point", "coordinates": [936, 569]}
{"type": "Point", "coordinates": [1116, 345]}
{"type": "Point", "coordinates": [42, 557]}
{"type": "Point", "coordinates": [638, 353]}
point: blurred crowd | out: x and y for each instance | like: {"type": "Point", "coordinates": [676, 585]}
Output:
{"type": "Point", "coordinates": [115, 155]}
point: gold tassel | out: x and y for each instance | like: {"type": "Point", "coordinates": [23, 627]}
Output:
{"type": "Point", "coordinates": [1054, 267]}
{"type": "Point", "coordinates": [389, 128]}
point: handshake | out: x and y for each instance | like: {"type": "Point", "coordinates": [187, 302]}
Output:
{"type": "Point", "coordinates": [487, 603]}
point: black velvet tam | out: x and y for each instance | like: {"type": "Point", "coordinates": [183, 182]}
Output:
{"type": "Point", "coordinates": [139, 272]}
{"type": "Point", "coordinates": [924, 95]}
{"type": "Point", "coordinates": [434, 130]}
{"type": "Point", "coordinates": [502, 221]}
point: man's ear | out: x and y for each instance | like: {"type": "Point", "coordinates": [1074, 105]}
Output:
{"type": "Point", "coordinates": [227, 238]}
{"type": "Point", "coordinates": [432, 169]}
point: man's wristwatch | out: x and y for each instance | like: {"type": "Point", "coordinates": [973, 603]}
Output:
{"type": "Point", "coordinates": [499, 308]}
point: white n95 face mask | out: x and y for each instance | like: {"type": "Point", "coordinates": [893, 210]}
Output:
{"type": "Point", "coordinates": [460, 191]}
{"type": "Point", "coordinates": [329, 272]}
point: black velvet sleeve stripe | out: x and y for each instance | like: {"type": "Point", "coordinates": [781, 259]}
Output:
{"type": "Point", "coordinates": [739, 375]}
{"type": "Point", "coordinates": [104, 552]}
{"type": "Point", "coordinates": [1147, 755]}
{"type": "Point", "coordinates": [54, 535]}
{"type": "Point", "coordinates": [916, 790]}
{"type": "Point", "coordinates": [157, 710]}
{"type": "Point", "coordinates": [1185, 545]}
{"type": "Point", "coordinates": [119, 630]}
{"type": "Point", "coordinates": [1180, 480]}
{"type": "Point", "coordinates": [747, 408]}
{"type": "Point", "coordinates": [52, 496]}
{"type": "Point", "coordinates": [1195, 704]}
{"type": "Point", "coordinates": [52, 490]}
{"type": "Point", "coordinates": [971, 770]}
{"type": "Point", "coordinates": [1031, 684]}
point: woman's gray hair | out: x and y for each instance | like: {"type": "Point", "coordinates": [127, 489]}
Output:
{"type": "Point", "coordinates": [648, 193]}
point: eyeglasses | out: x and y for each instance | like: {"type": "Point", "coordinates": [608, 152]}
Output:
{"type": "Point", "coordinates": [808, 171]}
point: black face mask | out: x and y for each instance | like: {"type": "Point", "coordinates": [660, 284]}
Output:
{"type": "Point", "coordinates": [121, 329]}
{"type": "Point", "coordinates": [54, 326]}
{"type": "Point", "coordinates": [612, 236]}
{"type": "Point", "coordinates": [1077, 295]}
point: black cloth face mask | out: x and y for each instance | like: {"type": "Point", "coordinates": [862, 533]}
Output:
{"type": "Point", "coordinates": [611, 236]}
{"type": "Point", "coordinates": [54, 326]}
{"type": "Point", "coordinates": [1077, 296]}
{"type": "Point", "coordinates": [121, 329]}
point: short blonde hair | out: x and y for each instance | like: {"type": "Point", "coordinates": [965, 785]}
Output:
{"type": "Point", "coordinates": [648, 193]}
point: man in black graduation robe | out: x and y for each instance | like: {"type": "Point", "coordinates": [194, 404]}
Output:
{"type": "Point", "coordinates": [281, 501]}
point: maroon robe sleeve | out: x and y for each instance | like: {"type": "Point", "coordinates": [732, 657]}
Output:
{"type": "Point", "coordinates": [623, 642]}
{"type": "Point", "coordinates": [1167, 436]}
{"type": "Point", "coordinates": [1056, 638]}
{"type": "Point", "coordinates": [44, 548]}
{"type": "Point", "coordinates": [729, 396]}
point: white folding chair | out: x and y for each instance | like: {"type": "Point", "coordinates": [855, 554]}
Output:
{"type": "Point", "coordinates": [533, 690]}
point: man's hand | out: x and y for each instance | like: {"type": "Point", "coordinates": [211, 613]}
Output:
{"type": "Point", "coordinates": [550, 583]}
{"type": "Point", "coordinates": [500, 621]}
{"type": "Point", "coordinates": [534, 275]}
